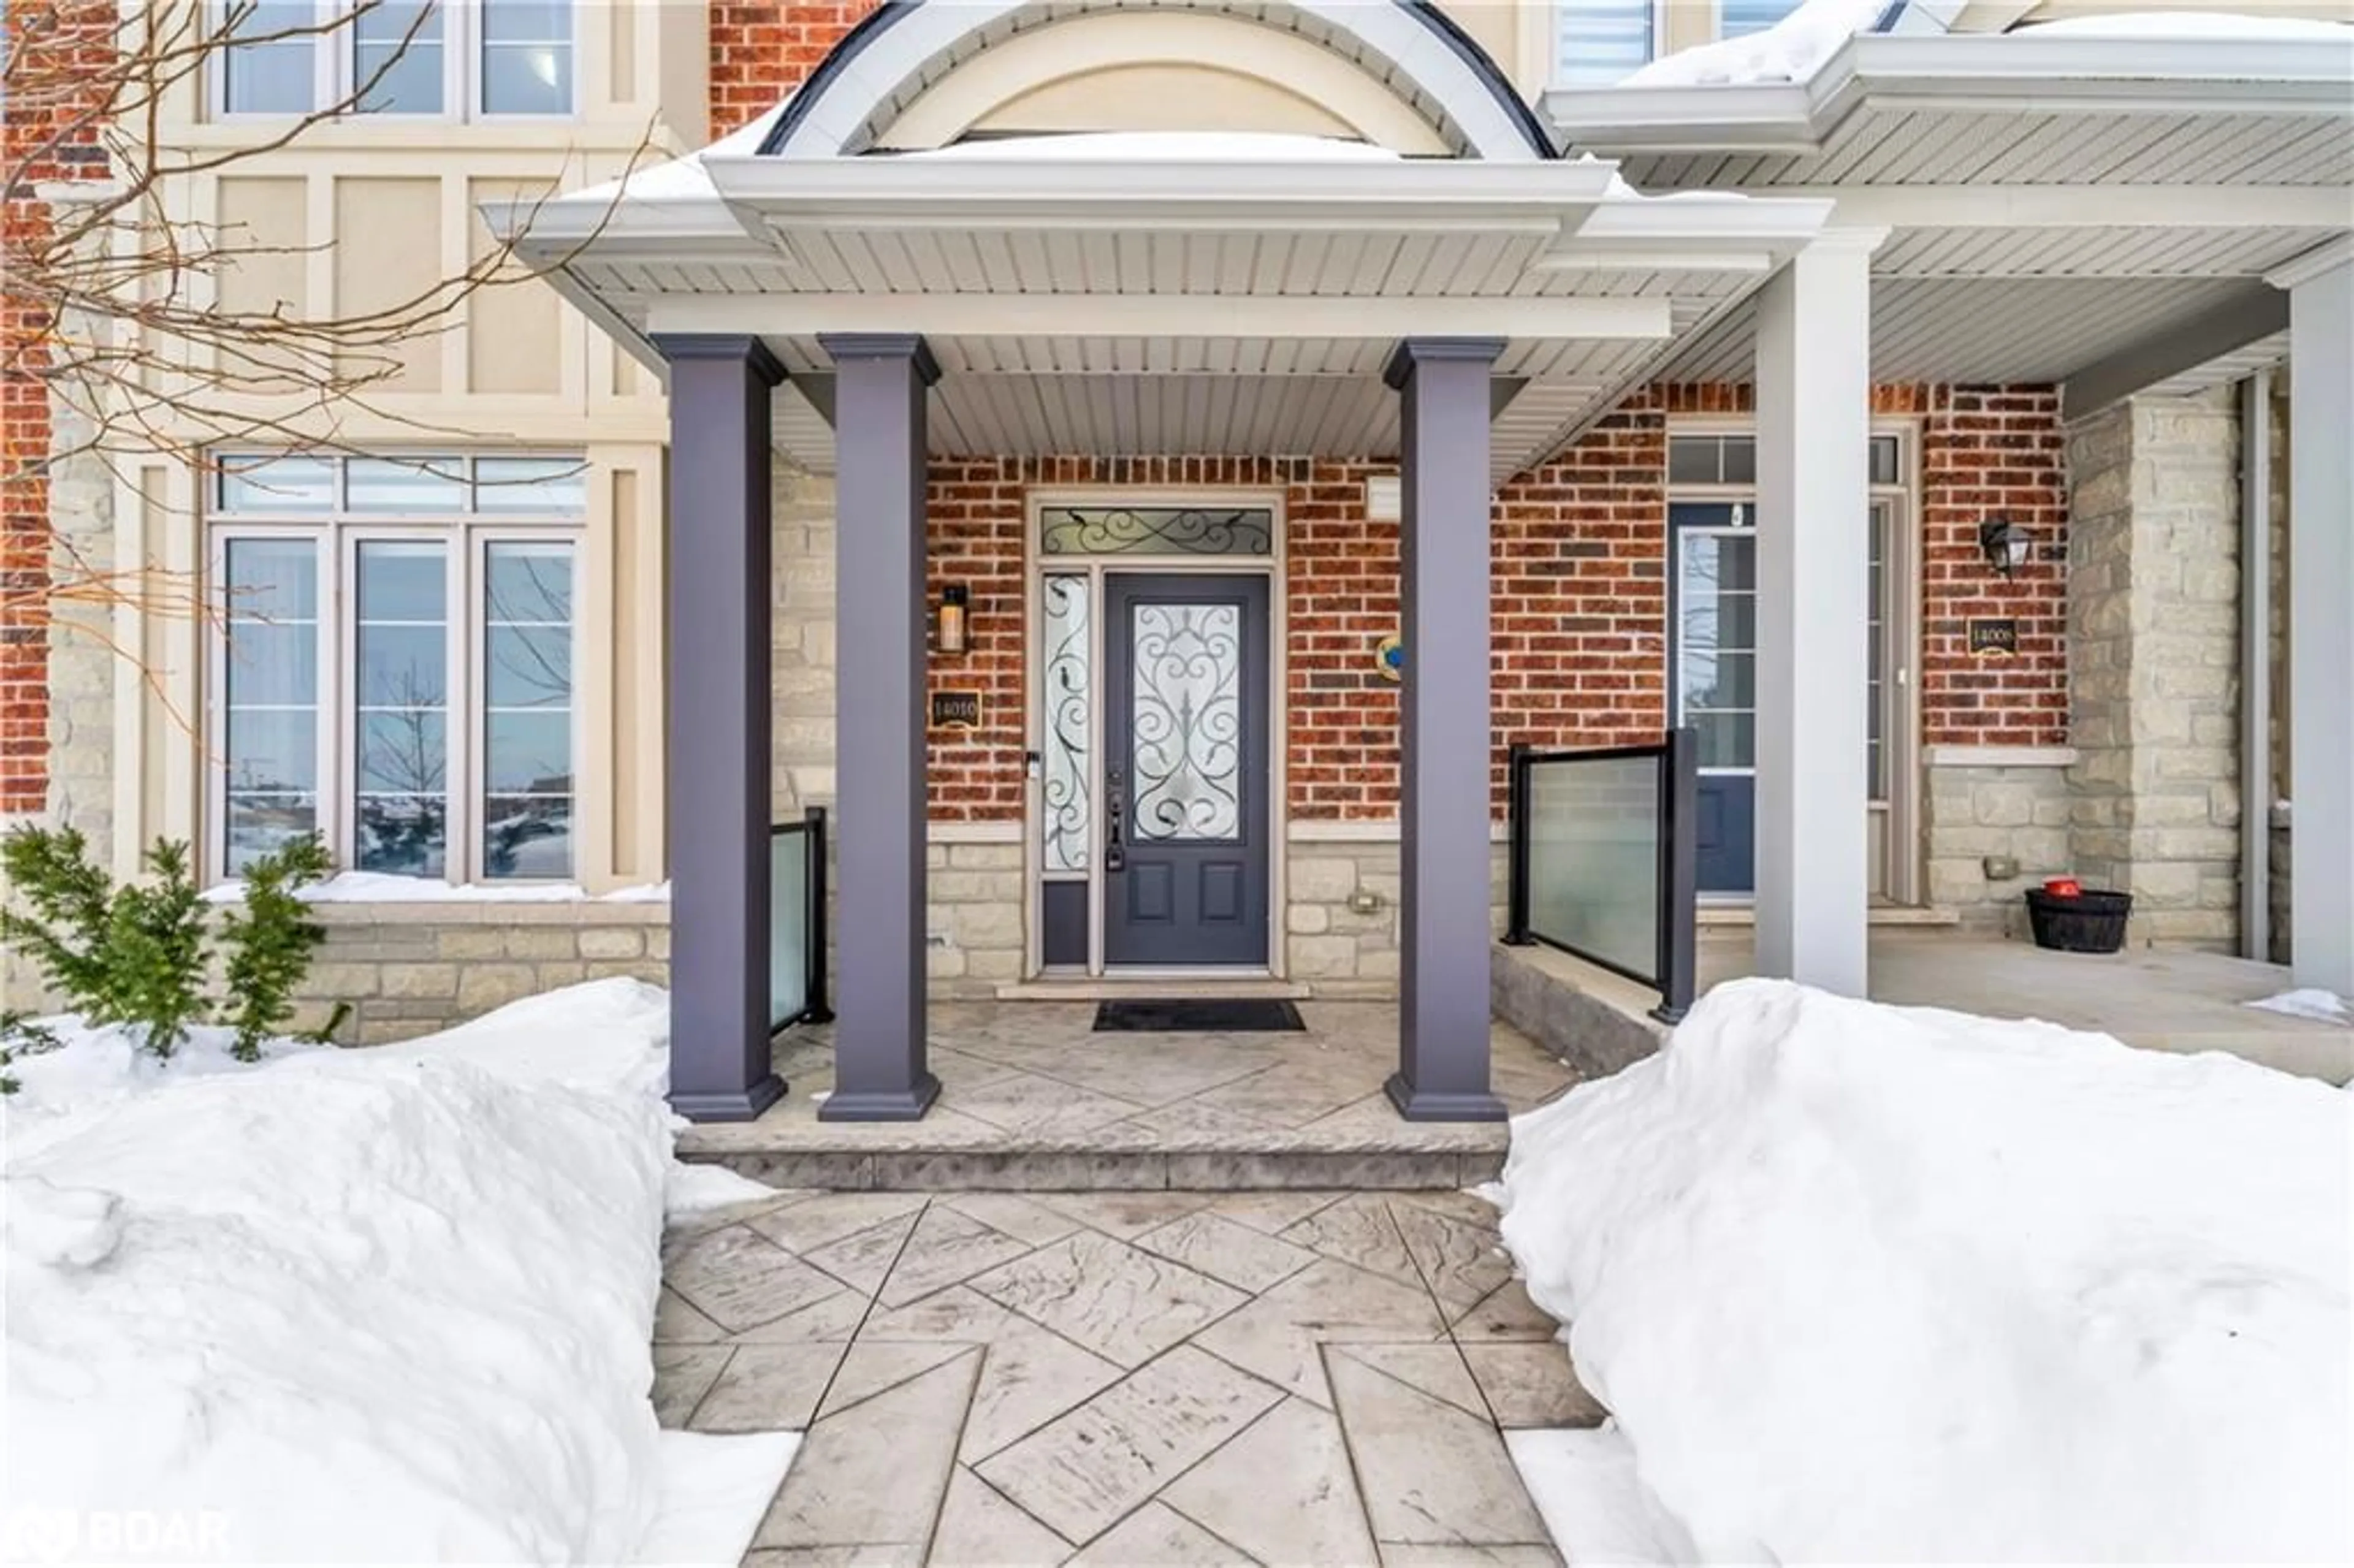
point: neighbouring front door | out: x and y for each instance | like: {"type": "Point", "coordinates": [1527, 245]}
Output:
{"type": "Point", "coordinates": [1714, 678]}
{"type": "Point", "coordinates": [1185, 775]}
{"type": "Point", "coordinates": [1715, 682]}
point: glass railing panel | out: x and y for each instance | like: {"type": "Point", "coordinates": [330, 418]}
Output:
{"type": "Point", "coordinates": [1594, 859]}
{"type": "Point", "coordinates": [789, 912]}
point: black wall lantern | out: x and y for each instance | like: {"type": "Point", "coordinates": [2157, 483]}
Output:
{"type": "Point", "coordinates": [2007, 545]}
{"type": "Point", "coordinates": [954, 600]}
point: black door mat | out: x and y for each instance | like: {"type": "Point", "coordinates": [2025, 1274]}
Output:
{"type": "Point", "coordinates": [1181, 1015]}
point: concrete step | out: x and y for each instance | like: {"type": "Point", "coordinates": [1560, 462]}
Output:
{"type": "Point", "coordinates": [1075, 1167]}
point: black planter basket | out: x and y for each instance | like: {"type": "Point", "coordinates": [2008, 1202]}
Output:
{"type": "Point", "coordinates": [2089, 923]}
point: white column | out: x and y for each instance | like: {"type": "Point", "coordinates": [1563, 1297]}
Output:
{"type": "Point", "coordinates": [1814, 434]}
{"type": "Point", "coordinates": [2321, 618]}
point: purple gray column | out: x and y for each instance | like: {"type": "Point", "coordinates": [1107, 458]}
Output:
{"type": "Point", "coordinates": [880, 1073]}
{"type": "Point", "coordinates": [716, 748]}
{"type": "Point", "coordinates": [1443, 918]}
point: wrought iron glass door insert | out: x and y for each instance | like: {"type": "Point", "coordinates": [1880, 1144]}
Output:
{"type": "Point", "coordinates": [1185, 769]}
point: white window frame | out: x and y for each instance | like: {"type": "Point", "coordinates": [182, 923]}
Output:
{"type": "Point", "coordinates": [336, 75]}
{"type": "Point", "coordinates": [336, 535]}
{"type": "Point", "coordinates": [1553, 15]}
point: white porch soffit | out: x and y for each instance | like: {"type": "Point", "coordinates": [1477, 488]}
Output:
{"type": "Point", "coordinates": [2099, 212]}
{"type": "Point", "coordinates": [1175, 304]}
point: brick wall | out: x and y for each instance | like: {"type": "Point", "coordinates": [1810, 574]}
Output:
{"type": "Point", "coordinates": [761, 49]}
{"type": "Point", "coordinates": [1580, 593]}
{"type": "Point", "coordinates": [46, 137]}
{"type": "Point", "coordinates": [1987, 451]}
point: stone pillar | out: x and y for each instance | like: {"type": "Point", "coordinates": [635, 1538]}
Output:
{"type": "Point", "coordinates": [2321, 618]}
{"type": "Point", "coordinates": [880, 1072]}
{"type": "Point", "coordinates": [2153, 674]}
{"type": "Point", "coordinates": [715, 750]}
{"type": "Point", "coordinates": [1814, 553]}
{"type": "Point", "coordinates": [1443, 916]}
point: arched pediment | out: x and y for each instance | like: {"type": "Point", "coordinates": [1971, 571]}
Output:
{"type": "Point", "coordinates": [1397, 73]}
{"type": "Point", "coordinates": [1160, 70]}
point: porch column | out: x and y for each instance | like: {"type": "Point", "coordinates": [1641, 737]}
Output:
{"type": "Point", "coordinates": [1444, 798]}
{"type": "Point", "coordinates": [879, 986]}
{"type": "Point", "coordinates": [1814, 551]}
{"type": "Point", "coordinates": [716, 748]}
{"type": "Point", "coordinates": [2321, 621]}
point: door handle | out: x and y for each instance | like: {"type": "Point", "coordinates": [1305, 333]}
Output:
{"type": "Point", "coordinates": [1115, 806]}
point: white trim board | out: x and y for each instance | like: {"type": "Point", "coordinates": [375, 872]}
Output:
{"type": "Point", "coordinates": [994, 832]}
{"type": "Point", "coordinates": [1998, 755]}
{"type": "Point", "coordinates": [1371, 831]}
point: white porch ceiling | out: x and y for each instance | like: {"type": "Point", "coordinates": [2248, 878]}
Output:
{"type": "Point", "coordinates": [1986, 330]}
{"type": "Point", "coordinates": [1045, 396]}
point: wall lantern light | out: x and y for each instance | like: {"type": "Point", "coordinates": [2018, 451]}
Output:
{"type": "Point", "coordinates": [2008, 545]}
{"type": "Point", "coordinates": [955, 598]}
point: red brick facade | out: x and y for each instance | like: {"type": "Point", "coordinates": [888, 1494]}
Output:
{"type": "Point", "coordinates": [47, 135]}
{"type": "Point", "coordinates": [1580, 565]}
{"type": "Point", "coordinates": [1987, 451]}
{"type": "Point", "coordinates": [762, 49]}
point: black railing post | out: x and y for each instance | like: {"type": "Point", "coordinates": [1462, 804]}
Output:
{"type": "Point", "coordinates": [1679, 873]}
{"type": "Point", "coordinates": [1516, 846]}
{"type": "Point", "coordinates": [816, 1011]}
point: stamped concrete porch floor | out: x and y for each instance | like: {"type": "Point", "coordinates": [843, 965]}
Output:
{"type": "Point", "coordinates": [1120, 1377]}
{"type": "Point", "coordinates": [1032, 1098]}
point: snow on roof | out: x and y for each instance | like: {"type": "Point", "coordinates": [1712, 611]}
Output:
{"type": "Point", "coordinates": [2190, 24]}
{"type": "Point", "coordinates": [1789, 50]}
{"type": "Point", "coordinates": [684, 178]}
{"type": "Point", "coordinates": [1162, 146]}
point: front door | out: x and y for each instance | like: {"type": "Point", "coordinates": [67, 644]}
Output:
{"type": "Point", "coordinates": [1714, 680]}
{"type": "Point", "coordinates": [1714, 677]}
{"type": "Point", "coordinates": [1185, 777]}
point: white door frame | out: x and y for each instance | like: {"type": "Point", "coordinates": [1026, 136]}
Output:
{"type": "Point", "coordinates": [1896, 819]}
{"type": "Point", "coordinates": [1037, 567]}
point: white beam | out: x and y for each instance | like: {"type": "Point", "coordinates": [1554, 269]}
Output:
{"type": "Point", "coordinates": [1162, 315]}
{"type": "Point", "coordinates": [2081, 206]}
{"type": "Point", "coordinates": [2321, 623]}
{"type": "Point", "coordinates": [1814, 429]}
{"type": "Point", "coordinates": [2173, 350]}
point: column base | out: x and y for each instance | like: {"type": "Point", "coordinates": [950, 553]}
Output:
{"type": "Point", "coordinates": [1432, 1105]}
{"type": "Point", "coordinates": [742, 1105]}
{"type": "Point", "coordinates": [882, 1105]}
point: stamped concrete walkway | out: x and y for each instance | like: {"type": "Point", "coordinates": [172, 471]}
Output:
{"type": "Point", "coordinates": [1120, 1377]}
{"type": "Point", "coordinates": [1033, 1097]}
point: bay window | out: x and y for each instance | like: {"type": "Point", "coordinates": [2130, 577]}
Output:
{"type": "Point", "coordinates": [395, 662]}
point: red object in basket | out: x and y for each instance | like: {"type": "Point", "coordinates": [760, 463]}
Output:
{"type": "Point", "coordinates": [2064, 887]}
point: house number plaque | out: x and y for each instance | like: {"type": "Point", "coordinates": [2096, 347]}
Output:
{"type": "Point", "coordinates": [956, 710]}
{"type": "Point", "coordinates": [1994, 639]}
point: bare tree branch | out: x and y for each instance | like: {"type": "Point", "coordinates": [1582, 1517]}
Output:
{"type": "Point", "coordinates": [113, 294]}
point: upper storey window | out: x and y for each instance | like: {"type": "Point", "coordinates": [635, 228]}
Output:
{"type": "Point", "coordinates": [1738, 18]}
{"type": "Point", "coordinates": [448, 59]}
{"type": "Point", "coordinates": [1598, 42]}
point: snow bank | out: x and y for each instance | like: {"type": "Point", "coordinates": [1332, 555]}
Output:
{"type": "Point", "coordinates": [1789, 50]}
{"type": "Point", "coordinates": [2325, 1006]}
{"type": "Point", "coordinates": [377, 888]}
{"type": "Point", "coordinates": [389, 1305]}
{"type": "Point", "coordinates": [1873, 1284]}
{"type": "Point", "coordinates": [1594, 1505]}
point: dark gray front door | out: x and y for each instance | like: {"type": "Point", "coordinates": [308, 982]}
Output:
{"type": "Point", "coordinates": [1185, 770]}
